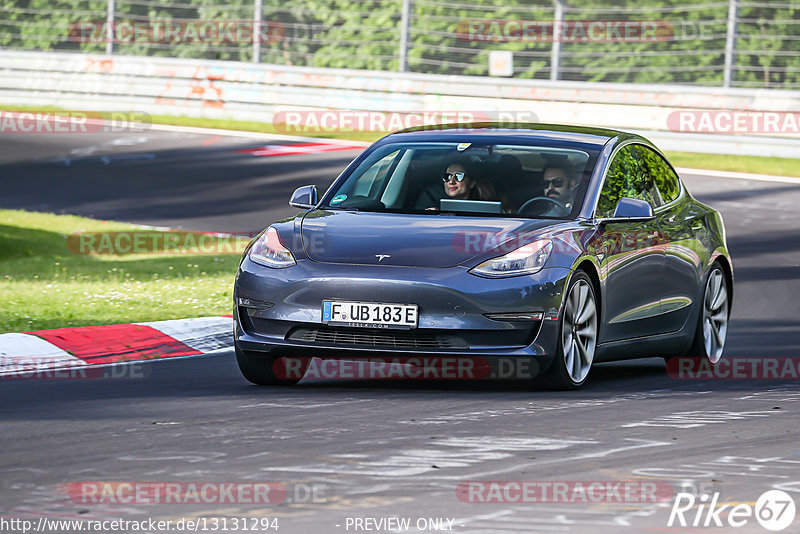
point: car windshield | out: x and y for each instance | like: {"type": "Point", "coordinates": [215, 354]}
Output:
{"type": "Point", "coordinates": [467, 179]}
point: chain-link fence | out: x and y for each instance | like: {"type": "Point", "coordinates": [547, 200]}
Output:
{"type": "Point", "coordinates": [727, 43]}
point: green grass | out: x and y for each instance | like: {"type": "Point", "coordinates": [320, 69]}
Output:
{"type": "Point", "coordinates": [44, 285]}
{"type": "Point", "coordinates": [720, 162]}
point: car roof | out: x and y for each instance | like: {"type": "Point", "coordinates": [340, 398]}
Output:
{"type": "Point", "coordinates": [524, 133]}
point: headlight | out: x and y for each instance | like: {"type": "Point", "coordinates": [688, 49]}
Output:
{"type": "Point", "coordinates": [527, 259]}
{"type": "Point", "coordinates": [268, 250]}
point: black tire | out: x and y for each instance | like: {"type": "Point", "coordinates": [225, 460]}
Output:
{"type": "Point", "coordinates": [258, 368]}
{"type": "Point", "coordinates": [699, 348]}
{"type": "Point", "coordinates": [558, 376]}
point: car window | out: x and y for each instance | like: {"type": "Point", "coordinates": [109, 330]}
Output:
{"type": "Point", "coordinates": [528, 181]}
{"type": "Point", "coordinates": [664, 178]}
{"type": "Point", "coordinates": [374, 176]}
{"type": "Point", "coordinates": [625, 178]}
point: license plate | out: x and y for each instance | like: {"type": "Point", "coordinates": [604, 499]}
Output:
{"type": "Point", "coordinates": [369, 314]}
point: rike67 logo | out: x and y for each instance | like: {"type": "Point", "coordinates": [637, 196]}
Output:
{"type": "Point", "coordinates": [774, 510]}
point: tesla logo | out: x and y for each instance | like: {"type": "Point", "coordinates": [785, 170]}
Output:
{"type": "Point", "coordinates": [382, 256]}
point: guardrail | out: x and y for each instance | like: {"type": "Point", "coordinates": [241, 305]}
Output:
{"type": "Point", "coordinates": [246, 91]}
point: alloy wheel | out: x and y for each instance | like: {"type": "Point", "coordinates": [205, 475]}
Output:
{"type": "Point", "coordinates": [579, 331]}
{"type": "Point", "coordinates": [715, 315]}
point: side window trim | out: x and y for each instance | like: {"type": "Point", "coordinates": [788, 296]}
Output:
{"type": "Point", "coordinates": [655, 192]}
{"type": "Point", "coordinates": [611, 160]}
{"type": "Point", "coordinates": [681, 189]}
{"type": "Point", "coordinates": [605, 174]}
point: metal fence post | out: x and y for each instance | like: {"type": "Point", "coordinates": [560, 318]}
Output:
{"type": "Point", "coordinates": [405, 28]}
{"type": "Point", "coordinates": [258, 14]}
{"type": "Point", "coordinates": [555, 52]}
{"type": "Point", "coordinates": [730, 43]}
{"type": "Point", "coordinates": [112, 8]}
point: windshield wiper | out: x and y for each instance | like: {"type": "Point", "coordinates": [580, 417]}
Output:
{"type": "Point", "coordinates": [344, 208]}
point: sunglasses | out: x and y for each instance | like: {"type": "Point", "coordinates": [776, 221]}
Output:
{"type": "Point", "coordinates": [557, 182]}
{"type": "Point", "coordinates": [458, 176]}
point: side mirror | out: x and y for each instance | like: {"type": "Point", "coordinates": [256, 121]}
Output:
{"type": "Point", "coordinates": [304, 197]}
{"type": "Point", "coordinates": [633, 209]}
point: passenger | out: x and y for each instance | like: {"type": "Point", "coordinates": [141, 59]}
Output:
{"type": "Point", "coordinates": [462, 181]}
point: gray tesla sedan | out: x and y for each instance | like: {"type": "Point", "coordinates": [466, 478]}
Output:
{"type": "Point", "coordinates": [554, 245]}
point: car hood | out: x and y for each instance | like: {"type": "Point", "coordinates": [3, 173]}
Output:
{"type": "Point", "coordinates": [365, 238]}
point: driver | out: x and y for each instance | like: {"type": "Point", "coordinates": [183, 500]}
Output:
{"type": "Point", "coordinates": [559, 184]}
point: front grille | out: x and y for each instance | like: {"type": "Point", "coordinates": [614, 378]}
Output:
{"type": "Point", "coordinates": [368, 337]}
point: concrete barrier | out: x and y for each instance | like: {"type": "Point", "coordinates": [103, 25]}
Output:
{"type": "Point", "coordinates": [256, 92]}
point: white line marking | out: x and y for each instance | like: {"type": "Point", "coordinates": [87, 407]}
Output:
{"type": "Point", "coordinates": [639, 444]}
{"type": "Point", "coordinates": [254, 135]}
{"type": "Point", "coordinates": [697, 418]}
{"type": "Point", "coordinates": [739, 175]}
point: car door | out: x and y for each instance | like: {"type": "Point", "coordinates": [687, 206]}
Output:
{"type": "Point", "coordinates": [680, 224]}
{"type": "Point", "coordinates": [632, 253]}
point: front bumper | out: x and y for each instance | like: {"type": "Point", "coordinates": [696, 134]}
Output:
{"type": "Point", "coordinates": [279, 311]}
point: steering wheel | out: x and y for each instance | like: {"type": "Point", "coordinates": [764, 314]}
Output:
{"type": "Point", "coordinates": [543, 202]}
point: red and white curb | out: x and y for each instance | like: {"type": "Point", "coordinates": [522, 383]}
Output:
{"type": "Point", "coordinates": [298, 149]}
{"type": "Point", "coordinates": [89, 346]}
